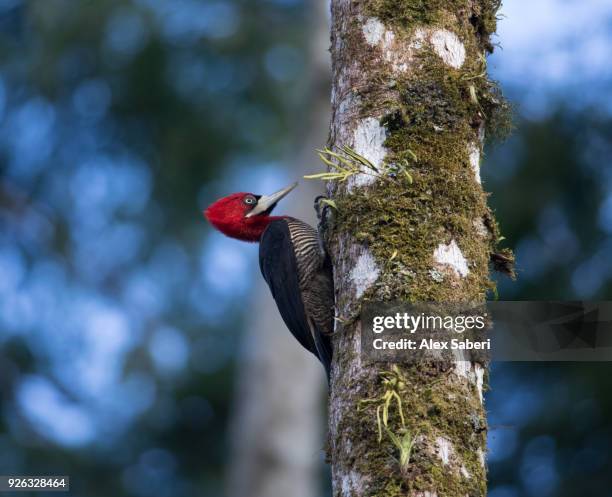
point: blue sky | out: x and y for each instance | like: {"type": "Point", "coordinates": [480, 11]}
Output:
{"type": "Point", "coordinates": [555, 50]}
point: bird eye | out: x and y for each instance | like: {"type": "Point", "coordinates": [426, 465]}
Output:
{"type": "Point", "coordinates": [249, 201]}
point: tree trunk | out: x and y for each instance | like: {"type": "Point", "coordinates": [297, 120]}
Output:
{"type": "Point", "coordinates": [411, 95]}
{"type": "Point", "coordinates": [277, 429]}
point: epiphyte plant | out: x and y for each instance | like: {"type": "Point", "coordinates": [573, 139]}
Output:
{"type": "Point", "coordinates": [348, 163]}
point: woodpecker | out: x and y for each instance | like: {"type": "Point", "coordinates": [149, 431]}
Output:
{"type": "Point", "coordinates": [292, 260]}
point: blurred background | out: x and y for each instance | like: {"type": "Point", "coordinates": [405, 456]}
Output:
{"type": "Point", "coordinates": [139, 351]}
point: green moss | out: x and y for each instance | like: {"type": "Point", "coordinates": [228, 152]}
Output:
{"type": "Point", "coordinates": [479, 16]}
{"type": "Point", "coordinates": [436, 111]}
{"type": "Point", "coordinates": [432, 408]}
{"type": "Point", "coordinates": [498, 112]}
{"type": "Point", "coordinates": [431, 113]}
{"type": "Point", "coordinates": [429, 128]}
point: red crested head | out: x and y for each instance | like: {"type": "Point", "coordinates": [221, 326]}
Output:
{"type": "Point", "coordinates": [244, 216]}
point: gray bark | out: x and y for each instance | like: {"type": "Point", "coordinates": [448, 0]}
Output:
{"type": "Point", "coordinates": [409, 88]}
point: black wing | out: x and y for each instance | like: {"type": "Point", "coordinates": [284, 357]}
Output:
{"type": "Point", "coordinates": [279, 268]}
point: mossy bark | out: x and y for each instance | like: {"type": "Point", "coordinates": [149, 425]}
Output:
{"type": "Point", "coordinates": [411, 94]}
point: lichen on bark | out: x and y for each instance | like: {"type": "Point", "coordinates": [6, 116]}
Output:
{"type": "Point", "coordinates": [414, 73]}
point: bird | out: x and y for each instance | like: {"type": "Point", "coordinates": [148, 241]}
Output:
{"type": "Point", "coordinates": [293, 262]}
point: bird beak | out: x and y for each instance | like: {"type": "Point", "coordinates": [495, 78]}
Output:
{"type": "Point", "coordinates": [267, 202]}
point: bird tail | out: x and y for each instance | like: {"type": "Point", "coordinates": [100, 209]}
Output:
{"type": "Point", "coordinates": [324, 352]}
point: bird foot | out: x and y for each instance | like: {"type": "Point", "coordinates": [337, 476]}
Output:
{"type": "Point", "coordinates": [322, 209]}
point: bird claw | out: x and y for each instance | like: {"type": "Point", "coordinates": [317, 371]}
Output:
{"type": "Point", "coordinates": [322, 210]}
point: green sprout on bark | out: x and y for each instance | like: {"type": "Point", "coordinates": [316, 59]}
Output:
{"type": "Point", "coordinates": [394, 384]}
{"type": "Point", "coordinates": [346, 163]}
{"type": "Point", "coordinates": [330, 202]}
{"type": "Point", "coordinates": [403, 443]}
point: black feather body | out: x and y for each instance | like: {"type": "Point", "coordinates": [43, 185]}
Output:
{"type": "Point", "coordinates": [299, 274]}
